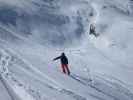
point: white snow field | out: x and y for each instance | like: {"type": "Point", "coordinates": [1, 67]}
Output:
{"type": "Point", "coordinates": [33, 32]}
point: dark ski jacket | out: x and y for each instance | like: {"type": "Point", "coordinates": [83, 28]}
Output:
{"type": "Point", "coordinates": [92, 29]}
{"type": "Point", "coordinates": [63, 59]}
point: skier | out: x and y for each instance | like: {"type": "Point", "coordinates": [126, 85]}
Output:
{"type": "Point", "coordinates": [64, 63]}
{"type": "Point", "coordinates": [92, 30]}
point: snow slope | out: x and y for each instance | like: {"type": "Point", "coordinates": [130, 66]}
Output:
{"type": "Point", "coordinates": [33, 32]}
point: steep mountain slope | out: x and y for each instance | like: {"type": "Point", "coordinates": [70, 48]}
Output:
{"type": "Point", "coordinates": [33, 32]}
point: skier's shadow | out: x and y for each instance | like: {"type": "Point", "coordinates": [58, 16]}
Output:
{"type": "Point", "coordinates": [80, 79]}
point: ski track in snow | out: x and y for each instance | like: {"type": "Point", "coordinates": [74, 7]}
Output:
{"type": "Point", "coordinates": [99, 84]}
{"type": "Point", "coordinates": [118, 88]}
{"type": "Point", "coordinates": [77, 97]}
{"type": "Point", "coordinates": [54, 87]}
{"type": "Point", "coordinates": [37, 74]}
{"type": "Point", "coordinates": [8, 80]}
{"type": "Point", "coordinates": [30, 69]}
{"type": "Point", "coordinates": [3, 83]}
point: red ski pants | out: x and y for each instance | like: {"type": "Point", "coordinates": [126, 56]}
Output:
{"type": "Point", "coordinates": [65, 68]}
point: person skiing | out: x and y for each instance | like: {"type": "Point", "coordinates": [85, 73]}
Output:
{"type": "Point", "coordinates": [93, 30]}
{"type": "Point", "coordinates": [64, 63]}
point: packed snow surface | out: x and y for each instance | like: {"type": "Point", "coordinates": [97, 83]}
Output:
{"type": "Point", "coordinates": [33, 32]}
